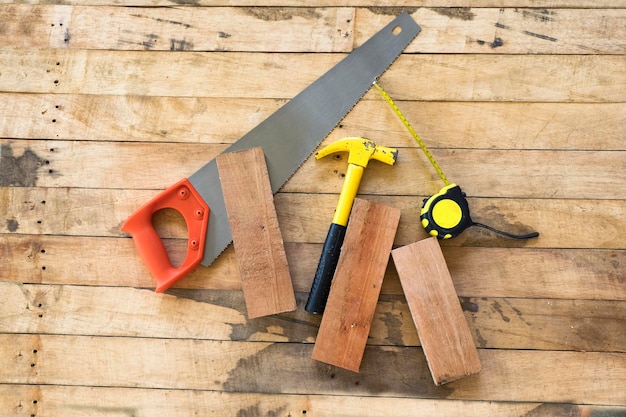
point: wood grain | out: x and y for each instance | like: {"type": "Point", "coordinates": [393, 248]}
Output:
{"type": "Point", "coordinates": [178, 29]}
{"type": "Point", "coordinates": [53, 401]}
{"type": "Point", "coordinates": [480, 30]}
{"type": "Point", "coordinates": [453, 8]}
{"type": "Point", "coordinates": [356, 285]}
{"type": "Point", "coordinates": [563, 223]}
{"type": "Point", "coordinates": [495, 322]}
{"type": "Point", "coordinates": [500, 173]}
{"type": "Point", "coordinates": [459, 77]}
{"type": "Point", "coordinates": [245, 367]}
{"type": "Point", "coordinates": [257, 239]}
{"type": "Point", "coordinates": [83, 117]}
{"type": "Point", "coordinates": [522, 103]}
{"type": "Point", "coordinates": [446, 339]}
{"type": "Point", "coordinates": [508, 30]}
{"type": "Point", "coordinates": [583, 274]}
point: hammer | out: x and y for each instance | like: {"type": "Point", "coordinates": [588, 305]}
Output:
{"type": "Point", "coordinates": [360, 151]}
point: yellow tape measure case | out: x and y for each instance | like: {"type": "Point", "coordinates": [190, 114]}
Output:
{"type": "Point", "coordinates": [446, 214]}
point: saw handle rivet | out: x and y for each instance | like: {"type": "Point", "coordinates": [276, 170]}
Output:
{"type": "Point", "coordinates": [193, 244]}
{"type": "Point", "coordinates": [199, 213]}
{"type": "Point", "coordinates": [183, 193]}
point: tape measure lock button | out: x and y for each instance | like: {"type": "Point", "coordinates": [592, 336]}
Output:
{"type": "Point", "coordinates": [446, 214]}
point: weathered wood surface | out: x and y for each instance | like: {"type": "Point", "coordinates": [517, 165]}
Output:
{"type": "Point", "coordinates": [564, 223]}
{"type": "Point", "coordinates": [336, 29]}
{"type": "Point", "coordinates": [257, 239]}
{"type": "Point", "coordinates": [595, 378]}
{"type": "Point", "coordinates": [51, 400]}
{"type": "Point", "coordinates": [500, 173]}
{"type": "Point", "coordinates": [502, 323]}
{"type": "Point", "coordinates": [452, 8]}
{"type": "Point", "coordinates": [591, 274]}
{"type": "Point", "coordinates": [356, 285]}
{"type": "Point", "coordinates": [459, 77]}
{"type": "Point", "coordinates": [444, 334]}
{"type": "Point", "coordinates": [522, 103]}
{"type": "Point", "coordinates": [84, 117]}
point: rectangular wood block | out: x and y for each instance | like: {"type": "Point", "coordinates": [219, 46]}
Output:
{"type": "Point", "coordinates": [443, 331]}
{"type": "Point", "coordinates": [356, 285]}
{"type": "Point", "coordinates": [258, 242]}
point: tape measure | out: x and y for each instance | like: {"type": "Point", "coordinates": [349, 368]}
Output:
{"type": "Point", "coordinates": [445, 214]}
{"type": "Point", "coordinates": [419, 141]}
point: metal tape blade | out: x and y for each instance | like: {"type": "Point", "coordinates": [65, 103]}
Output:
{"type": "Point", "coordinates": [291, 134]}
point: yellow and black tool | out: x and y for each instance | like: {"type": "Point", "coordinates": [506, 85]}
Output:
{"type": "Point", "coordinates": [445, 214]}
{"type": "Point", "coordinates": [360, 151]}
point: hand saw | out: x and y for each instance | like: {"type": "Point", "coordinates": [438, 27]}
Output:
{"type": "Point", "coordinates": [288, 137]}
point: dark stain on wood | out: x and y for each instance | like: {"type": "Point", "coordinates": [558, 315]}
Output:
{"type": "Point", "coordinates": [294, 326]}
{"type": "Point", "coordinates": [252, 411]}
{"type": "Point", "coordinates": [540, 36]}
{"type": "Point", "coordinates": [392, 11]}
{"type": "Point", "coordinates": [161, 20]}
{"type": "Point", "coordinates": [468, 305]}
{"type": "Point", "coordinates": [89, 409]}
{"type": "Point", "coordinates": [224, 35]}
{"type": "Point", "coordinates": [501, 26]}
{"type": "Point", "coordinates": [564, 410]}
{"type": "Point", "coordinates": [272, 325]}
{"type": "Point", "coordinates": [518, 312]}
{"type": "Point", "coordinates": [498, 307]}
{"type": "Point", "coordinates": [482, 342]}
{"type": "Point", "coordinates": [394, 329]}
{"type": "Point", "coordinates": [540, 15]}
{"type": "Point", "coordinates": [257, 411]}
{"type": "Point", "coordinates": [180, 45]}
{"type": "Point", "coordinates": [462, 13]}
{"type": "Point", "coordinates": [282, 367]}
{"type": "Point", "coordinates": [19, 171]}
{"type": "Point", "coordinates": [497, 42]}
{"type": "Point", "coordinates": [617, 273]}
{"type": "Point", "coordinates": [273, 14]}
{"type": "Point", "coordinates": [525, 32]}
{"type": "Point", "coordinates": [187, 2]}
{"type": "Point", "coordinates": [12, 225]}
{"type": "Point", "coordinates": [589, 411]}
{"type": "Point", "coordinates": [150, 41]}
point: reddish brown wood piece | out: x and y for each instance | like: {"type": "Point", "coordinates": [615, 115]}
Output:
{"type": "Point", "coordinates": [443, 331]}
{"type": "Point", "coordinates": [356, 285]}
{"type": "Point", "coordinates": [258, 242]}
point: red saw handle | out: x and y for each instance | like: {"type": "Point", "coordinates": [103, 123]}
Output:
{"type": "Point", "coordinates": [183, 198]}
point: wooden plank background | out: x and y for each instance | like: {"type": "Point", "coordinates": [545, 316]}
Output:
{"type": "Point", "coordinates": [103, 103]}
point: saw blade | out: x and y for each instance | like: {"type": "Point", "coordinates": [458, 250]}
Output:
{"type": "Point", "coordinates": [291, 134]}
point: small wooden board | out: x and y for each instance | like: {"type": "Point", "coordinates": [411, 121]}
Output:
{"type": "Point", "coordinates": [443, 331]}
{"type": "Point", "coordinates": [356, 285]}
{"type": "Point", "coordinates": [259, 248]}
